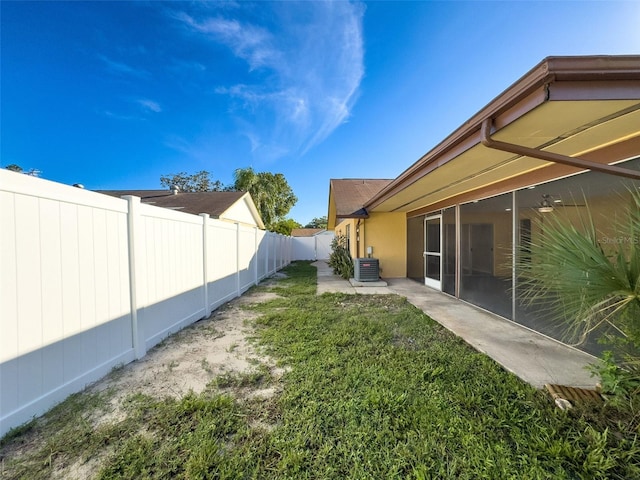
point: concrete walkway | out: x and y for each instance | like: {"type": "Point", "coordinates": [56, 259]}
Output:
{"type": "Point", "coordinates": [533, 357]}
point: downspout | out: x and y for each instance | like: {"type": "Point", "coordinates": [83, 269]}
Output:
{"type": "Point", "coordinates": [487, 141]}
{"type": "Point", "coordinates": [358, 239]}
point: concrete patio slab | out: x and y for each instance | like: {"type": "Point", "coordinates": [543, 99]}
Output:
{"type": "Point", "coordinates": [535, 358]}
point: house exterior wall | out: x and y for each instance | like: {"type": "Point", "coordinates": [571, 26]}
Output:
{"type": "Point", "coordinates": [386, 233]}
{"type": "Point", "coordinates": [240, 212]}
{"type": "Point", "coordinates": [332, 220]}
{"type": "Point", "coordinates": [347, 228]}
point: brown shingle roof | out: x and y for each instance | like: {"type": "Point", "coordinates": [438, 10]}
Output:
{"type": "Point", "coordinates": [350, 194]}
{"type": "Point", "coordinates": [306, 232]}
{"type": "Point", "coordinates": [213, 203]}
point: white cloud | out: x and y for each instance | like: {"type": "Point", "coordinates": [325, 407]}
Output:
{"type": "Point", "coordinates": [305, 64]}
{"type": "Point", "coordinates": [249, 42]}
{"type": "Point", "coordinates": [149, 105]}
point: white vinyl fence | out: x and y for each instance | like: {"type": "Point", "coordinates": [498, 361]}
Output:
{"type": "Point", "coordinates": [89, 282]}
{"type": "Point", "coordinates": [317, 247]}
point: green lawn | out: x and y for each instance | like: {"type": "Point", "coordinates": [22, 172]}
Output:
{"type": "Point", "coordinates": [373, 389]}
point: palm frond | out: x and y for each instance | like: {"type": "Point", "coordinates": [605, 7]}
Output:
{"type": "Point", "coordinates": [566, 270]}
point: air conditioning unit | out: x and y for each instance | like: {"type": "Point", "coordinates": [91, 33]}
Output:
{"type": "Point", "coordinates": [366, 270]}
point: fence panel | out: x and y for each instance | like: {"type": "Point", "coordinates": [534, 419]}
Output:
{"type": "Point", "coordinates": [171, 269]}
{"type": "Point", "coordinates": [64, 293]}
{"type": "Point", "coordinates": [222, 260]}
{"type": "Point", "coordinates": [317, 247]}
{"type": "Point", "coordinates": [304, 248]}
{"type": "Point", "coordinates": [262, 254]}
{"type": "Point", "coordinates": [323, 245]}
{"type": "Point", "coordinates": [271, 253]}
{"type": "Point", "coordinates": [246, 258]}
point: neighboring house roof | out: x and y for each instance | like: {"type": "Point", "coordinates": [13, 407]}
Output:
{"type": "Point", "coordinates": [566, 109]}
{"type": "Point", "coordinates": [306, 232]}
{"type": "Point", "coordinates": [231, 206]}
{"type": "Point", "coordinates": [347, 197]}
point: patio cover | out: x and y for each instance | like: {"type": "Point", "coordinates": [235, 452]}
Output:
{"type": "Point", "coordinates": [587, 108]}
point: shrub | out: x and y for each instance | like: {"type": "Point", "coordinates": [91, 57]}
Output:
{"type": "Point", "coordinates": [592, 287]}
{"type": "Point", "coordinates": [340, 259]}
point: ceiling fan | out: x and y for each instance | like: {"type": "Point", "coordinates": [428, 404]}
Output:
{"type": "Point", "coordinates": [549, 203]}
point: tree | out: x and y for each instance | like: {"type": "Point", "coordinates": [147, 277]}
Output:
{"type": "Point", "coordinates": [271, 193]}
{"type": "Point", "coordinates": [14, 168]}
{"type": "Point", "coordinates": [317, 222]}
{"type": "Point", "coordinates": [285, 226]}
{"type": "Point", "coordinates": [196, 182]}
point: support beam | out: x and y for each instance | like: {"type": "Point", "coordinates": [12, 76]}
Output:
{"type": "Point", "coordinates": [487, 141]}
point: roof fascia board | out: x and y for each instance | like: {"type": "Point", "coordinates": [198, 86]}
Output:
{"type": "Point", "coordinates": [353, 215]}
{"type": "Point", "coordinates": [602, 90]}
{"type": "Point", "coordinates": [618, 67]}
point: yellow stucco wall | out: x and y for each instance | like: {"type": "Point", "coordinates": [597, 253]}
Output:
{"type": "Point", "coordinates": [387, 234]}
{"type": "Point", "coordinates": [341, 229]}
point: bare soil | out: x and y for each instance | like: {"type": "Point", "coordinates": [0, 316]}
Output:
{"type": "Point", "coordinates": [190, 359]}
{"type": "Point", "coordinates": [185, 362]}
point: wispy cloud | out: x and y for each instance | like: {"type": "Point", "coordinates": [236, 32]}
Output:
{"type": "Point", "coordinates": [149, 105]}
{"type": "Point", "coordinates": [182, 66]}
{"type": "Point", "coordinates": [305, 64]}
{"type": "Point", "coordinates": [123, 69]}
{"type": "Point", "coordinates": [136, 109]}
{"type": "Point", "coordinates": [252, 43]}
{"type": "Point", "coordinates": [118, 116]}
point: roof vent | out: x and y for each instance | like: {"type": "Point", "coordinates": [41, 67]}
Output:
{"type": "Point", "coordinates": [174, 189]}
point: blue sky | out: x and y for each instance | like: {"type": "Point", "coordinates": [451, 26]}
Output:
{"type": "Point", "coordinates": [115, 94]}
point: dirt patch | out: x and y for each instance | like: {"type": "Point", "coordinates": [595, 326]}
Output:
{"type": "Point", "coordinates": [190, 359]}
{"type": "Point", "coordinates": [187, 361]}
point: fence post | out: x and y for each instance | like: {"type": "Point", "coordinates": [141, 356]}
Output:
{"type": "Point", "coordinates": [256, 256]}
{"type": "Point", "coordinates": [265, 239]}
{"type": "Point", "coordinates": [137, 329]}
{"type": "Point", "coordinates": [238, 259]}
{"type": "Point", "coordinates": [205, 263]}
